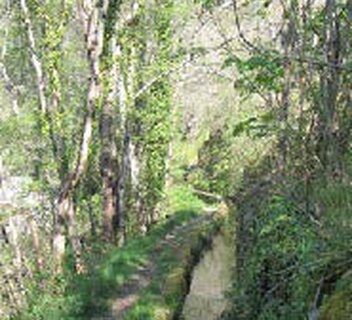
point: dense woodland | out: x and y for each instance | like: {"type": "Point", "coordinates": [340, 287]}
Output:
{"type": "Point", "coordinates": [132, 131]}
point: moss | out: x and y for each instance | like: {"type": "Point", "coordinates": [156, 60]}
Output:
{"type": "Point", "coordinates": [175, 281]}
{"type": "Point", "coordinates": [162, 313]}
{"type": "Point", "coordinates": [338, 306]}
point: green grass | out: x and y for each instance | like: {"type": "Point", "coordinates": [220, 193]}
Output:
{"type": "Point", "coordinates": [181, 198]}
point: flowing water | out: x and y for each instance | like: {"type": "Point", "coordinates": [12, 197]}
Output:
{"type": "Point", "coordinates": [211, 278]}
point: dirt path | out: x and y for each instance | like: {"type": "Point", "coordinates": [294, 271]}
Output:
{"type": "Point", "coordinates": [131, 292]}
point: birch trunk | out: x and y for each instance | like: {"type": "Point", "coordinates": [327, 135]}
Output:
{"type": "Point", "coordinates": [37, 65]}
{"type": "Point", "coordinates": [91, 17]}
{"type": "Point", "coordinates": [9, 86]}
{"type": "Point", "coordinates": [124, 161]}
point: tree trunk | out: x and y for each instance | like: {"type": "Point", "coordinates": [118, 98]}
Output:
{"type": "Point", "coordinates": [91, 16]}
{"type": "Point", "coordinates": [10, 87]}
{"type": "Point", "coordinates": [14, 240]}
{"type": "Point", "coordinates": [113, 187]}
{"type": "Point", "coordinates": [73, 236]}
{"type": "Point", "coordinates": [92, 219]}
{"type": "Point", "coordinates": [124, 161]}
{"type": "Point", "coordinates": [13, 237]}
{"type": "Point", "coordinates": [59, 240]}
{"type": "Point", "coordinates": [108, 158]}
{"type": "Point", "coordinates": [36, 242]}
{"type": "Point", "coordinates": [288, 42]}
{"type": "Point", "coordinates": [34, 58]}
{"type": "Point", "coordinates": [134, 160]}
{"type": "Point", "coordinates": [329, 87]}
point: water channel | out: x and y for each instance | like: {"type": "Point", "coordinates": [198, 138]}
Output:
{"type": "Point", "coordinates": [210, 280]}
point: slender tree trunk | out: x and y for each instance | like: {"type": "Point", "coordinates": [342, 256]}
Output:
{"type": "Point", "coordinates": [34, 58]}
{"type": "Point", "coordinates": [134, 154]}
{"type": "Point", "coordinates": [59, 239]}
{"type": "Point", "coordinates": [13, 237]}
{"type": "Point", "coordinates": [93, 227]}
{"type": "Point", "coordinates": [130, 165]}
{"type": "Point", "coordinates": [108, 159]}
{"type": "Point", "coordinates": [122, 189]}
{"type": "Point", "coordinates": [121, 184]}
{"type": "Point", "coordinates": [10, 87]}
{"type": "Point", "coordinates": [15, 241]}
{"type": "Point", "coordinates": [288, 41]}
{"type": "Point", "coordinates": [36, 242]}
{"type": "Point", "coordinates": [329, 87]}
{"type": "Point", "coordinates": [91, 15]}
{"type": "Point", "coordinates": [134, 160]}
{"type": "Point", "coordinates": [72, 233]}
{"type": "Point", "coordinates": [66, 210]}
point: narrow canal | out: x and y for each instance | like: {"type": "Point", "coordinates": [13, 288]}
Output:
{"type": "Point", "coordinates": [210, 280]}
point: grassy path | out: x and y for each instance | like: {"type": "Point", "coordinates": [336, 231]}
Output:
{"type": "Point", "coordinates": [166, 272]}
{"type": "Point", "coordinates": [148, 278]}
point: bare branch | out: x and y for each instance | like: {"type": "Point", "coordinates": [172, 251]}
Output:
{"type": "Point", "coordinates": [34, 58]}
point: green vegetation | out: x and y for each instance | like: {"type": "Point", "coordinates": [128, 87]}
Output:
{"type": "Point", "coordinates": [132, 130]}
{"type": "Point", "coordinates": [338, 305]}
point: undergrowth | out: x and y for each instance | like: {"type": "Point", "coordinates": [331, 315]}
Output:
{"type": "Point", "coordinates": [295, 261]}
